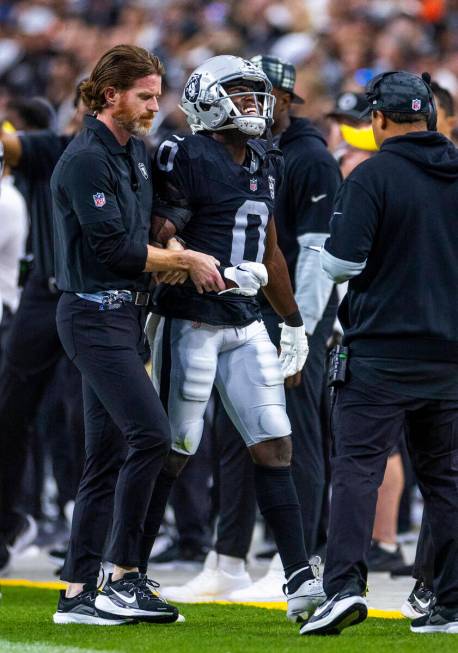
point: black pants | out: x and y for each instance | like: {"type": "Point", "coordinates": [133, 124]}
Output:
{"type": "Point", "coordinates": [60, 428]}
{"type": "Point", "coordinates": [423, 568]}
{"type": "Point", "coordinates": [127, 434]}
{"type": "Point", "coordinates": [5, 326]}
{"type": "Point", "coordinates": [304, 408]}
{"type": "Point", "coordinates": [31, 351]}
{"type": "Point", "coordinates": [367, 422]}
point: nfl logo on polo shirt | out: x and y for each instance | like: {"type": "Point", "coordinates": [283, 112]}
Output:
{"type": "Point", "coordinates": [254, 184]}
{"type": "Point", "coordinates": [99, 200]}
{"type": "Point", "coordinates": [416, 105]}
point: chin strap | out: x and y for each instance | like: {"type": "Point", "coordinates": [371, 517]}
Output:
{"type": "Point", "coordinates": [263, 152]}
{"type": "Point", "coordinates": [271, 147]}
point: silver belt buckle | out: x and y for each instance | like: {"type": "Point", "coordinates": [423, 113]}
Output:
{"type": "Point", "coordinates": [141, 298]}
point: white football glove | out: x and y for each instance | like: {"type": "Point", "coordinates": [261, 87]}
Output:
{"type": "Point", "coordinates": [248, 276]}
{"type": "Point", "coordinates": [294, 349]}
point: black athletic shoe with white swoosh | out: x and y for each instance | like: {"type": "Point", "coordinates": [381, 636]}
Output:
{"type": "Point", "coordinates": [81, 609]}
{"type": "Point", "coordinates": [135, 596]}
{"type": "Point", "coordinates": [420, 602]}
{"type": "Point", "coordinates": [340, 611]}
{"type": "Point", "coordinates": [440, 620]}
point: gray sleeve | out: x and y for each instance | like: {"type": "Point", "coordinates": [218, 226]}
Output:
{"type": "Point", "coordinates": [313, 286]}
{"type": "Point", "coordinates": [338, 269]}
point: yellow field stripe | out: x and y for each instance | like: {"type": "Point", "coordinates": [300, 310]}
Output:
{"type": "Point", "coordinates": [37, 584]}
{"type": "Point", "coordinates": [373, 612]}
{"type": "Point", "coordinates": [58, 585]}
{"type": "Point", "coordinates": [385, 614]}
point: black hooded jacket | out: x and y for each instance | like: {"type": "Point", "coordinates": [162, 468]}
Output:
{"type": "Point", "coordinates": [398, 212]}
{"type": "Point", "coordinates": [303, 207]}
{"type": "Point", "coordinates": [311, 172]}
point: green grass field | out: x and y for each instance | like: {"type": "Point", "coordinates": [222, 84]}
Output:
{"type": "Point", "coordinates": [26, 627]}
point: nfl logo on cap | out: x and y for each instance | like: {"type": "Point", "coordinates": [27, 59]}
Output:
{"type": "Point", "coordinates": [254, 184]}
{"type": "Point", "coordinates": [99, 199]}
{"type": "Point", "coordinates": [416, 105]}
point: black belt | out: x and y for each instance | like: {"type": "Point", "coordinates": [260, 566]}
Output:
{"type": "Point", "coordinates": [112, 297]}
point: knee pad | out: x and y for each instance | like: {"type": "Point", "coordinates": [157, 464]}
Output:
{"type": "Point", "coordinates": [272, 420]}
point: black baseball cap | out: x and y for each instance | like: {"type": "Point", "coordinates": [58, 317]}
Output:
{"type": "Point", "coordinates": [281, 74]}
{"type": "Point", "coordinates": [349, 105]}
{"type": "Point", "coordinates": [398, 91]}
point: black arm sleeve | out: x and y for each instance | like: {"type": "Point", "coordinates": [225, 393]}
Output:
{"type": "Point", "coordinates": [114, 248]}
{"type": "Point", "coordinates": [172, 171]}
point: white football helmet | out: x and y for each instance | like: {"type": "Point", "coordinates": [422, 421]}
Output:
{"type": "Point", "coordinates": [209, 106]}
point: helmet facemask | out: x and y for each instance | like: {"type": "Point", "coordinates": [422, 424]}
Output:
{"type": "Point", "coordinates": [252, 124]}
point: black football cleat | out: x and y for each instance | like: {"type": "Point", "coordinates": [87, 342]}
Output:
{"type": "Point", "coordinates": [420, 602]}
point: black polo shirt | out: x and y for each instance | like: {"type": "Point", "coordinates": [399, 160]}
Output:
{"type": "Point", "coordinates": [102, 197]}
{"type": "Point", "coordinates": [40, 152]}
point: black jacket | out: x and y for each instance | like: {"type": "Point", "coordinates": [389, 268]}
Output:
{"type": "Point", "coordinates": [102, 199]}
{"type": "Point", "coordinates": [303, 208]}
{"type": "Point", "coordinates": [311, 174]}
{"type": "Point", "coordinates": [398, 213]}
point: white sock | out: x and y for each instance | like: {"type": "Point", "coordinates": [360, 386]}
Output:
{"type": "Point", "coordinates": [234, 566]}
{"type": "Point", "coordinates": [389, 548]}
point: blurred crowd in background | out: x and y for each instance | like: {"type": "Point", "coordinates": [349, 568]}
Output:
{"type": "Point", "coordinates": [47, 46]}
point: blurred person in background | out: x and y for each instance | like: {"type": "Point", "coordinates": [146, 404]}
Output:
{"type": "Point", "coordinates": [446, 116]}
{"type": "Point", "coordinates": [347, 110]}
{"type": "Point", "coordinates": [31, 355]}
{"type": "Point", "coordinates": [64, 71]}
{"type": "Point", "coordinates": [13, 234]}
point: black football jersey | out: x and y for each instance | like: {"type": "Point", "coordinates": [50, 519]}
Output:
{"type": "Point", "coordinates": [220, 208]}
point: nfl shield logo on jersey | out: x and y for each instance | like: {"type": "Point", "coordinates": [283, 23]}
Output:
{"type": "Point", "coordinates": [416, 105]}
{"type": "Point", "coordinates": [254, 184]}
{"type": "Point", "coordinates": [99, 200]}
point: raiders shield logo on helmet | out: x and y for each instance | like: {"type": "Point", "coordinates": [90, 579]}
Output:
{"type": "Point", "coordinates": [192, 88]}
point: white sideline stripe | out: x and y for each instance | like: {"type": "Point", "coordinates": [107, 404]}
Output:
{"type": "Point", "coordinates": [41, 647]}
